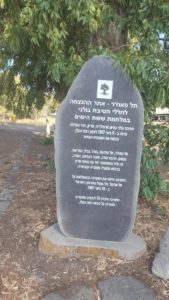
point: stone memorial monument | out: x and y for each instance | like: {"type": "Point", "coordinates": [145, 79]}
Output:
{"type": "Point", "coordinates": [98, 143]}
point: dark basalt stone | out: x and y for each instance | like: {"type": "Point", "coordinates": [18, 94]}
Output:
{"type": "Point", "coordinates": [98, 144]}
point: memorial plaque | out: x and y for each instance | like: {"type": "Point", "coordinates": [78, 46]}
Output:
{"type": "Point", "coordinates": [98, 149]}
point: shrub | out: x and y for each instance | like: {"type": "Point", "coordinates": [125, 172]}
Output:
{"type": "Point", "coordinates": [155, 151]}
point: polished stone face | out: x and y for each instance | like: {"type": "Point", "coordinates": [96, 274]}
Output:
{"type": "Point", "coordinates": [97, 152]}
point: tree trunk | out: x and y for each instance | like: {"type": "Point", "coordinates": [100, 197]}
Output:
{"type": "Point", "coordinates": [116, 37]}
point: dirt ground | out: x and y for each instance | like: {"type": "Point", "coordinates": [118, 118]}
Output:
{"type": "Point", "coordinates": [24, 272]}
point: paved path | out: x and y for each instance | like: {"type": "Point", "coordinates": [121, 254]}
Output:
{"type": "Point", "coordinates": [14, 142]}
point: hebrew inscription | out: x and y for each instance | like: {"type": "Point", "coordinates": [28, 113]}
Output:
{"type": "Point", "coordinates": [98, 150]}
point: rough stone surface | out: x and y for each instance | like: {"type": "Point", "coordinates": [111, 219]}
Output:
{"type": "Point", "coordinates": [161, 262]}
{"type": "Point", "coordinates": [52, 241]}
{"type": "Point", "coordinates": [98, 149]}
{"type": "Point", "coordinates": [124, 288]}
{"type": "Point", "coordinates": [74, 292]}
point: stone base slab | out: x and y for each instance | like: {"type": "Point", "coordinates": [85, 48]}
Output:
{"type": "Point", "coordinates": [53, 242]}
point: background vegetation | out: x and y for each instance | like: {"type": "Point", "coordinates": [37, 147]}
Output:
{"type": "Point", "coordinates": [43, 44]}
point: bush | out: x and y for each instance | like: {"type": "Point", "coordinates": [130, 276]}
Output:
{"type": "Point", "coordinates": [157, 137]}
{"type": "Point", "coordinates": [150, 182]}
{"type": "Point", "coordinates": [155, 151]}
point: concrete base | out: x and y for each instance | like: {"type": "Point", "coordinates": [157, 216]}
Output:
{"type": "Point", "coordinates": [52, 241]}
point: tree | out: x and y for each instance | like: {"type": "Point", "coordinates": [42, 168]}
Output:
{"type": "Point", "coordinates": [13, 96]}
{"type": "Point", "coordinates": [105, 88]}
{"type": "Point", "coordinates": [46, 42]}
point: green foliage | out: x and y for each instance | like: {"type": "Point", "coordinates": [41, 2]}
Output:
{"type": "Point", "coordinates": [46, 43]}
{"type": "Point", "coordinates": [165, 187]}
{"type": "Point", "coordinates": [51, 103]}
{"type": "Point", "coordinates": [155, 150]}
{"type": "Point", "coordinates": [13, 95]}
{"type": "Point", "coordinates": [150, 182]}
{"type": "Point", "coordinates": [157, 137]}
{"type": "Point", "coordinates": [4, 114]}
